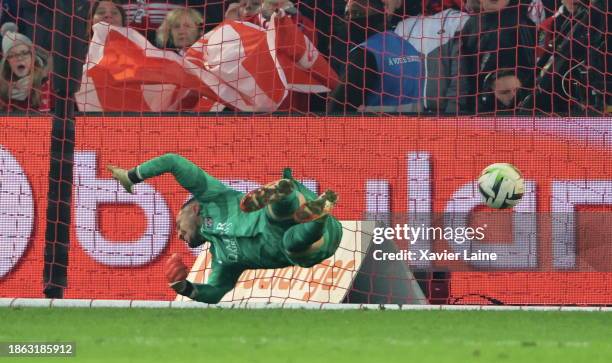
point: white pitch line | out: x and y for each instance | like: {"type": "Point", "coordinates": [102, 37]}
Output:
{"type": "Point", "coordinates": [85, 303]}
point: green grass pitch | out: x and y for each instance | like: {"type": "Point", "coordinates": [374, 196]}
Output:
{"type": "Point", "coordinates": [269, 336]}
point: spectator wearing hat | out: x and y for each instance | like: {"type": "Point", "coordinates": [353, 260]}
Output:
{"type": "Point", "coordinates": [24, 80]}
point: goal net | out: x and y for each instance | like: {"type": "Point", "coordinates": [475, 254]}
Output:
{"type": "Point", "coordinates": [395, 105]}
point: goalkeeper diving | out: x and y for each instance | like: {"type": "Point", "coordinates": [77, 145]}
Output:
{"type": "Point", "coordinates": [277, 225]}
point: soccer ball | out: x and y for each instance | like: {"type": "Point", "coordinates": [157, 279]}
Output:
{"type": "Point", "coordinates": [501, 185]}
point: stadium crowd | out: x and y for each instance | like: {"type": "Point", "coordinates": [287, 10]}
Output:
{"type": "Point", "coordinates": [416, 56]}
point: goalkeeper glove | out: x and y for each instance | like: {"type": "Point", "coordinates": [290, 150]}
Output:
{"type": "Point", "coordinates": [183, 287]}
{"type": "Point", "coordinates": [176, 275]}
{"type": "Point", "coordinates": [121, 175]}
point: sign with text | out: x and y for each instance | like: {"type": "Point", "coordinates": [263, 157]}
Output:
{"type": "Point", "coordinates": [378, 166]}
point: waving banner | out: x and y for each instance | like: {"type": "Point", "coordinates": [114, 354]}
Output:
{"type": "Point", "coordinates": [239, 65]}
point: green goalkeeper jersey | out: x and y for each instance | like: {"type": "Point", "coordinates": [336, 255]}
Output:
{"type": "Point", "coordinates": [239, 240]}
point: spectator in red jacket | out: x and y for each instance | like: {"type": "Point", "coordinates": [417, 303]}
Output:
{"type": "Point", "coordinates": [24, 80]}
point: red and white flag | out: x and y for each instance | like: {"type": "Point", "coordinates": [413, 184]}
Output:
{"type": "Point", "coordinates": [262, 62]}
{"type": "Point", "coordinates": [239, 56]}
{"type": "Point", "coordinates": [238, 64]}
{"type": "Point", "coordinates": [306, 70]}
{"type": "Point", "coordinates": [124, 72]}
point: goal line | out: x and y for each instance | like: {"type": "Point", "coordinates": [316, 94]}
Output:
{"type": "Point", "coordinates": [93, 303]}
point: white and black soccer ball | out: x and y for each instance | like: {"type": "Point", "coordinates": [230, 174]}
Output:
{"type": "Point", "coordinates": [501, 185]}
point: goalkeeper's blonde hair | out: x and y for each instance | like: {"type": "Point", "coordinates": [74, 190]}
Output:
{"type": "Point", "coordinates": [164, 36]}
